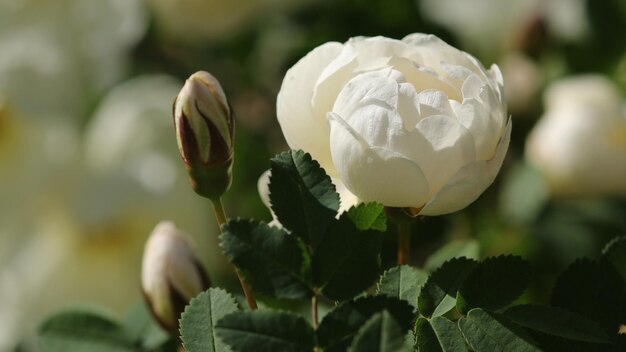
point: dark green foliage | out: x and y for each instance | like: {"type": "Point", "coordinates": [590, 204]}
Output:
{"type": "Point", "coordinates": [302, 195]}
{"type": "Point", "coordinates": [439, 293]}
{"type": "Point", "coordinates": [557, 322]}
{"type": "Point", "coordinates": [381, 333]}
{"type": "Point", "coordinates": [494, 283]}
{"type": "Point", "coordinates": [594, 290]}
{"type": "Point", "coordinates": [341, 324]}
{"type": "Point", "coordinates": [197, 323]}
{"type": "Point", "coordinates": [438, 335]}
{"type": "Point", "coordinates": [274, 263]}
{"type": "Point", "coordinates": [266, 331]}
{"type": "Point", "coordinates": [490, 332]}
{"type": "Point", "coordinates": [347, 261]}
{"type": "Point", "coordinates": [402, 282]}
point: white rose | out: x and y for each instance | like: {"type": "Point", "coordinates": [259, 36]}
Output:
{"type": "Point", "coordinates": [409, 123]}
{"type": "Point", "coordinates": [580, 142]}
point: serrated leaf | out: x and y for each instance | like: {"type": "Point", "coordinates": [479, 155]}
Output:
{"type": "Point", "coordinates": [83, 332]}
{"type": "Point", "coordinates": [197, 323]}
{"type": "Point", "coordinates": [402, 282]}
{"type": "Point", "coordinates": [341, 324]}
{"type": "Point", "coordinates": [491, 332]}
{"type": "Point", "coordinates": [494, 283]}
{"type": "Point", "coordinates": [274, 263]}
{"type": "Point", "coordinates": [347, 261]}
{"type": "Point", "coordinates": [615, 253]}
{"type": "Point", "coordinates": [455, 249]}
{"type": "Point", "coordinates": [302, 195]}
{"type": "Point", "coordinates": [557, 322]}
{"type": "Point", "coordinates": [381, 333]}
{"type": "Point", "coordinates": [438, 295]}
{"type": "Point", "coordinates": [266, 331]}
{"type": "Point", "coordinates": [438, 335]}
{"type": "Point", "coordinates": [366, 216]}
{"type": "Point", "coordinates": [592, 289]}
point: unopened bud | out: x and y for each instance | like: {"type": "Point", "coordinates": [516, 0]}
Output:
{"type": "Point", "coordinates": [171, 275]}
{"type": "Point", "coordinates": [205, 133]}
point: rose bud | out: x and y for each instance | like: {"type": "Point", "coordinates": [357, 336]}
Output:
{"type": "Point", "coordinates": [413, 123]}
{"type": "Point", "coordinates": [205, 134]}
{"type": "Point", "coordinates": [579, 144]}
{"type": "Point", "coordinates": [171, 275]}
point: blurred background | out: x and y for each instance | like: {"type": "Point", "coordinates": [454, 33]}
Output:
{"type": "Point", "coordinates": [89, 164]}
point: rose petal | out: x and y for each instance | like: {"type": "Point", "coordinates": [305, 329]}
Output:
{"type": "Point", "coordinates": [434, 102]}
{"type": "Point", "coordinates": [451, 146]}
{"type": "Point", "coordinates": [478, 120]}
{"type": "Point", "coordinates": [302, 128]}
{"type": "Point", "coordinates": [469, 182]}
{"type": "Point", "coordinates": [375, 174]}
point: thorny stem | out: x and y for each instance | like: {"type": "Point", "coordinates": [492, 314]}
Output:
{"type": "Point", "coordinates": [220, 216]}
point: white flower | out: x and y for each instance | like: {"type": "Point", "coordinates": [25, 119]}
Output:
{"type": "Point", "coordinates": [409, 123]}
{"type": "Point", "coordinates": [491, 26]}
{"type": "Point", "coordinates": [197, 20]}
{"type": "Point", "coordinates": [580, 142]}
{"type": "Point", "coordinates": [83, 46]}
{"type": "Point", "coordinates": [170, 274]}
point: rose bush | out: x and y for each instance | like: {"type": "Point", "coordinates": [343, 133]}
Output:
{"type": "Point", "coordinates": [579, 144]}
{"type": "Point", "coordinates": [412, 123]}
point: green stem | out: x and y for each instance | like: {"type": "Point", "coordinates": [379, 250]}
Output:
{"type": "Point", "coordinates": [404, 242]}
{"type": "Point", "coordinates": [220, 216]}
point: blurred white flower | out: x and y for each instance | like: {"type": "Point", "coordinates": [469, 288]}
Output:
{"type": "Point", "coordinates": [523, 79]}
{"type": "Point", "coordinates": [580, 142]}
{"type": "Point", "coordinates": [414, 123]}
{"type": "Point", "coordinates": [77, 208]}
{"type": "Point", "coordinates": [58, 55]}
{"type": "Point", "coordinates": [195, 20]}
{"type": "Point", "coordinates": [171, 275]}
{"type": "Point", "coordinates": [131, 131]}
{"type": "Point", "coordinates": [490, 26]}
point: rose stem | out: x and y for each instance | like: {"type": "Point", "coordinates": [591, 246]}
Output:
{"type": "Point", "coordinates": [220, 216]}
{"type": "Point", "coordinates": [404, 242]}
{"type": "Point", "coordinates": [314, 316]}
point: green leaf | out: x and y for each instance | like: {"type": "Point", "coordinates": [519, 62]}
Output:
{"type": "Point", "coordinates": [438, 295]}
{"type": "Point", "coordinates": [197, 323]}
{"type": "Point", "coordinates": [381, 333]}
{"type": "Point", "coordinates": [83, 332]}
{"type": "Point", "coordinates": [592, 289]}
{"type": "Point", "coordinates": [366, 216]}
{"type": "Point", "coordinates": [615, 253]}
{"type": "Point", "coordinates": [274, 263]}
{"type": "Point", "coordinates": [491, 332]}
{"type": "Point", "coordinates": [143, 329]}
{"type": "Point", "coordinates": [266, 331]}
{"type": "Point", "coordinates": [494, 283]}
{"type": "Point", "coordinates": [402, 282]}
{"type": "Point", "coordinates": [557, 322]}
{"type": "Point", "coordinates": [341, 324]}
{"type": "Point", "coordinates": [455, 249]}
{"type": "Point", "coordinates": [302, 195]}
{"type": "Point", "coordinates": [438, 335]}
{"type": "Point", "coordinates": [347, 261]}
